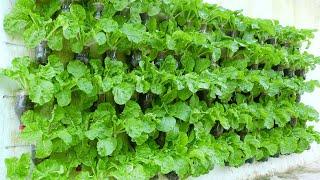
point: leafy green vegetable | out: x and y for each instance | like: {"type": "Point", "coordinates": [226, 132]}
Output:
{"type": "Point", "coordinates": [207, 87]}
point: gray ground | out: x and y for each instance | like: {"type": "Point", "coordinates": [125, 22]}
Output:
{"type": "Point", "coordinates": [307, 172]}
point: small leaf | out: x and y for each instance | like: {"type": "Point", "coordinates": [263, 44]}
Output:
{"type": "Point", "coordinates": [107, 25]}
{"type": "Point", "coordinates": [106, 146]}
{"type": "Point", "coordinates": [43, 149]}
{"type": "Point", "coordinates": [167, 124]}
{"type": "Point", "coordinates": [135, 32]}
{"type": "Point", "coordinates": [85, 85]}
{"type": "Point", "coordinates": [122, 93]}
{"type": "Point", "coordinates": [100, 38]}
{"type": "Point", "coordinates": [77, 69]}
{"type": "Point", "coordinates": [64, 97]}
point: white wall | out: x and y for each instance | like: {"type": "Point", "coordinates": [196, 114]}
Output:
{"type": "Point", "coordinates": [9, 124]}
{"type": "Point", "coordinates": [301, 13]}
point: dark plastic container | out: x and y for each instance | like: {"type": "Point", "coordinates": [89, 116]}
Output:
{"type": "Point", "coordinates": [42, 52]}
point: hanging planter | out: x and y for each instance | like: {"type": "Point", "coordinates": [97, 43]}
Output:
{"type": "Point", "coordinates": [145, 100]}
{"type": "Point", "coordinates": [84, 55]}
{"type": "Point", "coordinates": [22, 104]}
{"type": "Point", "coordinates": [42, 52]}
{"type": "Point", "coordinates": [135, 58]}
{"type": "Point", "coordinates": [99, 7]}
{"type": "Point", "coordinates": [160, 58]}
{"type": "Point", "coordinates": [65, 7]}
{"type": "Point", "coordinates": [112, 54]}
{"type": "Point", "coordinates": [289, 72]}
{"type": "Point", "coordinates": [217, 130]}
{"type": "Point", "coordinates": [203, 28]}
{"type": "Point", "coordinates": [144, 18]}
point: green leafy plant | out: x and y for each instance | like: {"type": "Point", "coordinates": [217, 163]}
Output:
{"type": "Point", "coordinates": [142, 89]}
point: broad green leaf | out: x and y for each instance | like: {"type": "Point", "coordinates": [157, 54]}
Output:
{"type": "Point", "coordinates": [134, 32]}
{"type": "Point", "coordinates": [85, 85]}
{"type": "Point", "coordinates": [55, 42]}
{"type": "Point", "coordinates": [166, 124]}
{"type": "Point", "coordinates": [41, 91]}
{"type": "Point", "coordinates": [64, 97]}
{"type": "Point", "coordinates": [101, 38]}
{"type": "Point", "coordinates": [106, 147]}
{"type": "Point", "coordinates": [122, 93]}
{"type": "Point", "coordinates": [43, 148]}
{"type": "Point", "coordinates": [65, 136]}
{"type": "Point", "coordinates": [180, 110]}
{"type": "Point", "coordinates": [77, 69]}
{"type": "Point", "coordinates": [107, 25]}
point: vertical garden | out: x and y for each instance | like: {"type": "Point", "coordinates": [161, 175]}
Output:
{"type": "Point", "coordinates": [140, 89]}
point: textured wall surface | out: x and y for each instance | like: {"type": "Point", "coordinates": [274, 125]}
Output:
{"type": "Point", "coordinates": [300, 13]}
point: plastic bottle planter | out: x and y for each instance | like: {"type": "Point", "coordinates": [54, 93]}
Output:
{"type": "Point", "coordinates": [160, 59]}
{"type": "Point", "coordinates": [83, 56]}
{"type": "Point", "coordinates": [288, 73]}
{"type": "Point", "coordinates": [203, 28]}
{"type": "Point", "coordinates": [65, 7]}
{"type": "Point", "coordinates": [42, 52]}
{"type": "Point", "coordinates": [300, 73]}
{"type": "Point", "coordinates": [135, 58]}
{"type": "Point", "coordinates": [293, 122]}
{"type": "Point", "coordinates": [125, 12]}
{"type": "Point", "coordinates": [145, 100]}
{"type": "Point", "coordinates": [161, 139]}
{"type": "Point", "coordinates": [217, 130]}
{"type": "Point", "coordinates": [172, 176]}
{"type": "Point", "coordinates": [99, 8]}
{"type": "Point", "coordinates": [272, 41]}
{"type": "Point", "coordinates": [298, 98]}
{"type": "Point", "coordinates": [23, 103]}
{"type": "Point", "coordinates": [249, 161]}
{"type": "Point", "coordinates": [144, 18]}
{"type": "Point", "coordinates": [278, 68]}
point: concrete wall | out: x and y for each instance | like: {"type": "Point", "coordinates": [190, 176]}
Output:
{"type": "Point", "coordinates": [300, 13]}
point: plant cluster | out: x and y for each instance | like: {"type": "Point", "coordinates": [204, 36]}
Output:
{"type": "Point", "coordinates": [132, 89]}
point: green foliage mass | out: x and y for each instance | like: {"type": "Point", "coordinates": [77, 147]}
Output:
{"type": "Point", "coordinates": [170, 87]}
